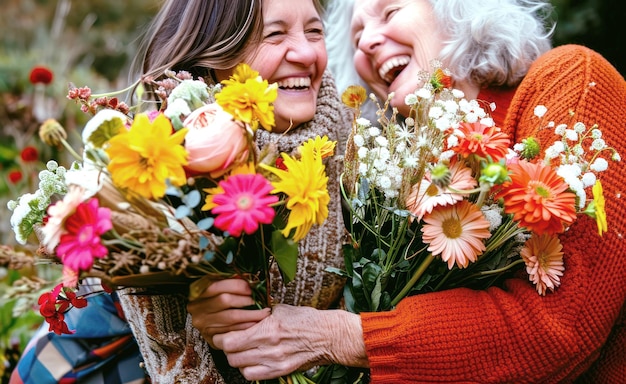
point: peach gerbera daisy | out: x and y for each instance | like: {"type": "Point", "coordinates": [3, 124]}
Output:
{"type": "Point", "coordinates": [456, 232]}
{"type": "Point", "coordinates": [483, 141]}
{"type": "Point", "coordinates": [538, 198]}
{"type": "Point", "coordinates": [544, 261]}
{"type": "Point", "coordinates": [426, 195]}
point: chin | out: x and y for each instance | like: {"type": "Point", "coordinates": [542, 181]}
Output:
{"type": "Point", "coordinates": [294, 113]}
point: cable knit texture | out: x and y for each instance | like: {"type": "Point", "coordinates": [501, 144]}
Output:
{"type": "Point", "coordinates": [173, 350]}
{"type": "Point", "coordinates": [513, 335]}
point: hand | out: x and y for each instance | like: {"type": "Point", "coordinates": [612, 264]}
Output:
{"type": "Point", "coordinates": [292, 339]}
{"type": "Point", "coordinates": [216, 309]}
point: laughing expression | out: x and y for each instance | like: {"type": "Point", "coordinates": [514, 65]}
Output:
{"type": "Point", "coordinates": [395, 40]}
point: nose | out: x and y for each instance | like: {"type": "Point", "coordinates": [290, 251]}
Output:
{"type": "Point", "coordinates": [302, 51]}
{"type": "Point", "coordinates": [370, 40]}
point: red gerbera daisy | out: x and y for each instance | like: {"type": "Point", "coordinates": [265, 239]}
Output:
{"type": "Point", "coordinates": [538, 198]}
{"type": "Point", "coordinates": [483, 141]}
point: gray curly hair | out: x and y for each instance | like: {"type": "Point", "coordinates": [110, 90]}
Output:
{"type": "Point", "coordinates": [493, 43]}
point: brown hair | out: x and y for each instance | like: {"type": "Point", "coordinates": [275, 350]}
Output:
{"type": "Point", "coordinates": [199, 35]}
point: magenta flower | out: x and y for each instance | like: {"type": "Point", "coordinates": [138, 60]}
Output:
{"type": "Point", "coordinates": [244, 204]}
{"type": "Point", "coordinates": [81, 243]}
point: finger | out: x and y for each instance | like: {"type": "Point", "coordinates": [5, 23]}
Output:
{"type": "Point", "coordinates": [228, 318]}
{"type": "Point", "coordinates": [219, 303]}
{"type": "Point", "coordinates": [214, 288]}
{"type": "Point", "coordinates": [209, 333]}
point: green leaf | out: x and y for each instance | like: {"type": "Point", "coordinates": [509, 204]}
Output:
{"type": "Point", "coordinates": [107, 130]}
{"type": "Point", "coordinates": [371, 281]}
{"type": "Point", "coordinates": [285, 253]}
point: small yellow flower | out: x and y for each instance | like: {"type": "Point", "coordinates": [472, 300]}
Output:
{"type": "Point", "coordinates": [147, 155]}
{"type": "Point", "coordinates": [248, 98]}
{"type": "Point", "coordinates": [600, 211]}
{"type": "Point", "coordinates": [354, 96]}
{"type": "Point", "coordinates": [305, 185]}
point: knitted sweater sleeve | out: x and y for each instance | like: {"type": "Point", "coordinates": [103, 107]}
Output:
{"type": "Point", "coordinates": [512, 334]}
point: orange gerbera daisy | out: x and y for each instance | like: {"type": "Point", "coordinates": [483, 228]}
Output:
{"type": "Point", "coordinates": [456, 232]}
{"type": "Point", "coordinates": [538, 198]}
{"type": "Point", "coordinates": [483, 141]}
{"type": "Point", "coordinates": [544, 261]}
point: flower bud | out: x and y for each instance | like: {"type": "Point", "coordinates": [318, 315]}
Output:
{"type": "Point", "coordinates": [52, 132]}
{"type": "Point", "coordinates": [531, 148]}
{"type": "Point", "coordinates": [494, 173]}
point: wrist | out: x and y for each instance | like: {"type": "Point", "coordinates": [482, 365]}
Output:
{"type": "Point", "coordinates": [346, 344]}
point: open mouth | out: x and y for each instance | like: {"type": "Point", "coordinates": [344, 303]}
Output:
{"type": "Point", "coordinates": [295, 83]}
{"type": "Point", "coordinates": [392, 68]}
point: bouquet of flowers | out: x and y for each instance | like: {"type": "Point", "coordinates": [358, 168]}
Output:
{"type": "Point", "coordinates": [176, 197]}
{"type": "Point", "coordinates": [439, 200]}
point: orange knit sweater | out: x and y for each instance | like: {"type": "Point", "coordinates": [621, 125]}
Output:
{"type": "Point", "coordinates": [513, 335]}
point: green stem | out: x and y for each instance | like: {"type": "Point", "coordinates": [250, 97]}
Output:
{"type": "Point", "coordinates": [71, 150]}
{"type": "Point", "coordinates": [416, 276]}
{"type": "Point", "coordinates": [113, 93]}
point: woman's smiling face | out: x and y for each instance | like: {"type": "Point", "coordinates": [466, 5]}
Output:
{"type": "Point", "coordinates": [395, 40]}
{"type": "Point", "coordinates": [293, 55]}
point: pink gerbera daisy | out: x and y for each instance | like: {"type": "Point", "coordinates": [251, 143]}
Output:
{"type": "Point", "coordinates": [426, 195]}
{"type": "Point", "coordinates": [244, 204]}
{"type": "Point", "coordinates": [81, 243]}
{"type": "Point", "coordinates": [544, 261]}
{"type": "Point", "coordinates": [58, 213]}
{"type": "Point", "coordinates": [456, 232]}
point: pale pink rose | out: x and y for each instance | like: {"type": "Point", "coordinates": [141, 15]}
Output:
{"type": "Point", "coordinates": [215, 141]}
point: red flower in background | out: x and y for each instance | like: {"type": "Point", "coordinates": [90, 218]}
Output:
{"type": "Point", "coordinates": [15, 176]}
{"type": "Point", "coordinates": [41, 74]}
{"type": "Point", "coordinates": [29, 154]}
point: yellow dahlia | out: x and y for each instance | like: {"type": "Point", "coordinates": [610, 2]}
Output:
{"type": "Point", "coordinates": [147, 155]}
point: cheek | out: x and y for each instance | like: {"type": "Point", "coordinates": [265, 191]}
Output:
{"type": "Point", "coordinates": [322, 56]}
{"type": "Point", "coordinates": [267, 60]}
{"type": "Point", "coordinates": [363, 66]}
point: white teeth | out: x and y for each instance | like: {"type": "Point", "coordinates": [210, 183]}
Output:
{"type": "Point", "coordinates": [385, 70]}
{"type": "Point", "coordinates": [295, 82]}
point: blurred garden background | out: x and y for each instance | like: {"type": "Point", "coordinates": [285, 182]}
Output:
{"type": "Point", "coordinates": [47, 44]}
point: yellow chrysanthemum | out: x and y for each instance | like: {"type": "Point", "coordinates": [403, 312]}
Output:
{"type": "Point", "coordinates": [600, 211]}
{"type": "Point", "coordinates": [305, 184]}
{"type": "Point", "coordinates": [143, 157]}
{"type": "Point", "coordinates": [248, 98]}
{"type": "Point", "coordinates": [321, 145]}
{"type": "Point", "coordinates": [241, 169]}
{"type": "Point", "coordinates": [242, 73]}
